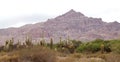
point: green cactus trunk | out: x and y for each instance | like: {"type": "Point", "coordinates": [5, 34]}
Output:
{"type": "Point", "coordinates": [51, 43]}
{"type": "Point", "coordinates": [102, 48]}
{"type": "Point", "coordinates": [60, 45]}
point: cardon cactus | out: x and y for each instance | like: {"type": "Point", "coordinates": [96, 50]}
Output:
{"type": "Point", "coordinates": [51, 43]}
{"type": "Point", "coordinates": [61, 43]}
{"type": "Point", "coordinates": [6, 47]}
{"type": "Point", "coordinates": [102, 48]}
{"type": "Point", "coordinates": [28, 42]}
{"type": "Point", "coordinates": [9, 45]}
{"type": "Point", "coordinates": [42, 42]}
{"type": "Point", "coordinates": [18, 44]}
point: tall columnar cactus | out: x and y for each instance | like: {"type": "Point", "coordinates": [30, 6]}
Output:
{"type": "Point", "coordinates": [18, 44]}
{"type": "Point", "coordinates": [68, 39]}
{"type": "Point", "coordinates": [9, 45]}
{"type": "Point", "coordinates": [51, 43]}
{"type": "Point", "coordinates": [6, 45]}
{"type": "Point", "coordinates": [60, 44]}
{"type": "Point", "coordinates": [42, 42]}
{"type": "Point", "coordinates": [102, 48]}
{"type": "Point", "coordinates": [11, 42]}
{"type": "Point", "coordinates": [28, 41]}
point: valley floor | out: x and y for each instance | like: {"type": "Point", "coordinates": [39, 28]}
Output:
{"type": "Point", "coordinates": [73, 51]}
{"type": "Point", "coordinates": [46, 55]}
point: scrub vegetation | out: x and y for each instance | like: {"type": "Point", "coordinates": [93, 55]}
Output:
{"type": "Point", "coordinates": [64, 51]}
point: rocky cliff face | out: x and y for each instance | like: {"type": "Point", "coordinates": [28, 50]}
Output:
{"type": "Point", "coordinates": [73, 24]}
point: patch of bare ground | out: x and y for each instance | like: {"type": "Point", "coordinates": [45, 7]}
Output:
{"type": "Point", "coordinates": [90, 58]}
{"type": "Point", "coordinates": [70, 59]}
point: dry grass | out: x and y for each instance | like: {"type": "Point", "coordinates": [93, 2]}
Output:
{"type": "Point", "coordinates": [66, 59]}
{"type": "Point", "coordinates": [71, 59]}
{"type": "Point", "coordinates": [77, 57]}
{"type": "Point", "coordinates": [43, 54]}
{"type": "Point", "coordinates": [35, 54]}
{"type": "Point", "coordinates": [112, 57]}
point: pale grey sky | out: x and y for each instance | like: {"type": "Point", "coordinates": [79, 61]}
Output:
{"type": "Point", "coordinates": [19, 12]}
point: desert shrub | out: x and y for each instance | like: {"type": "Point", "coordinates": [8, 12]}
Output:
{"type": "Point", "coordinates": [72, 45]}
{"type": "Point", "coordinates": [118, 49]}
{"type": "Point", "coordinates": [34, 54]}
{"type": "Point", "coordinates": [81, 48]}
{"type": "Point", "coordinates": [38, 54]}
{"type": "Point", "coordinates": [115, 46]}
{"type": "Point", "coordinates": [89, 47]}
{"type": "Point", "coordinates": [97, 41]}
{"type": "Point", "coordinates": [94, 46]}
{"type": "Point", "coordinates": [76, 43]}
{"type": "Point", "coordinates": [68, 47]}
{"type": "Point", "coordinates": [107, 46]}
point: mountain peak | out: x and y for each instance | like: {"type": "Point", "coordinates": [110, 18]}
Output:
{"type": "Point", "coordinates": [72, 13]}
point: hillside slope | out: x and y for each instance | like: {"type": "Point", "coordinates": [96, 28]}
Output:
{"type": "Point", "coordinates": [73, 24]}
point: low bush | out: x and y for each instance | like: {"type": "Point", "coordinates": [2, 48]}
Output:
{"type": "Point", "coordinates": [115, 46]}
{"type": "Point", "coordinates": [94, 46]}
{"type": "Point", "coordinates": [34, 54]}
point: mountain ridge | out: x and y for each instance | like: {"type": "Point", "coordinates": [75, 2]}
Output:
{"type": "Point", "coordinates": [73, 24]}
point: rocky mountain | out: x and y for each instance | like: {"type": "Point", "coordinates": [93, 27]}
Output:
{"type": "Point", "coordinates": [72, 24]}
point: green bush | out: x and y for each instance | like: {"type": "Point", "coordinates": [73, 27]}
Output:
{"type": "Point", "coordinates": [115, 46]}
{"type": "Point", "coordinates": [89, 48]}
{"type": "Point", "coordinates": [81, 48]}
{"type": "Point", "coordinates": [94, 46]}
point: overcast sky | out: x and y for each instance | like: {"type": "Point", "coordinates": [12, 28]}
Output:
{"type": "Point", "coordinates": [19, 12]}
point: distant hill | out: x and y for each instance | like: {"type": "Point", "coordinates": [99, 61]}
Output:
{"type": "Point", "coordinates": [72, 24]}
